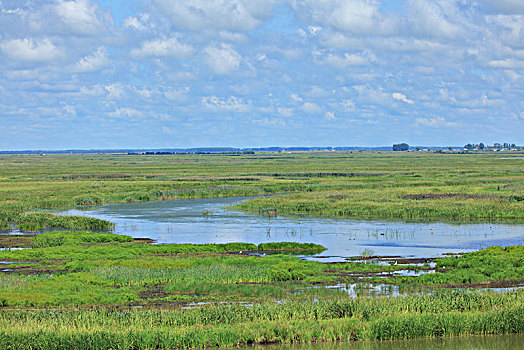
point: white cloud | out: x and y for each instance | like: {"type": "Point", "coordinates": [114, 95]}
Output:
{"type": "Point", "coordinates": [144, 92]}
{"type": "Point", "coordinates": [178, 95]}
{"type": "Point", "coordinates": [434, 19]}
{"type": "Point", "coordinates": [372, 96]}
{"type": "Point", "coordinates": [126, 112]}
{"type": "Point", "coordinates": [97, 90]}
{"type": "Point", "coordinates": [286, 112]}
{"type": "Point", "coordinates": [94, 62]}
{"type": "Point", "coordinates": [270, 122]}
{"type": "Point", "coordinates": [234, 15]}
{"type": "Point", "coordinates": [508, 63]}
{"type": "Point", "coordinates": [232, 103]}
{"type": "Point", "coordinates": [348, 105]}
{"type": "Point", "coordinates": [401, 97]}
{"type": "Point", "coordinates": [330, 116]}
{"type": "Point", "coordinates": [223, 60]}
{"type": "Point", "coordinates": [314, 29]}
{"type": "Point", "coordinates": [317, 91]}
{"type": "Point", "coordinates": [311, 108]}
{"type": "Point", "coordinates": [233, 37]}
{"type": "Point", "coordinates": [30, 50]}
{"type": "Point", "coordinates": [165, 47]}
{"type": "Point", "coordinates": [355, 59]}
{"type": "Point", "coordinates": [81, 16]}
{"type": "Point", "coordinates": [296, 98]}
{"type": "Point", "coordinates": [289, 54]}
{"type": "Point", "coordinates": [353, 16]}
{"type": "Point", "coordinates": [363, 68]}
{"type": "Point", "coordinates": [139, 23]}
{"type": "Point", "coordinates": [435, 122]}
{"type": "Point", "coordinates": [114, 91]}
{"type": "Point", "coordinates": [69, 110]}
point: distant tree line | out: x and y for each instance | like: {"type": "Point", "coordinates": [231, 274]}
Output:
{"type": "Point", "coordinates": [481, 146]}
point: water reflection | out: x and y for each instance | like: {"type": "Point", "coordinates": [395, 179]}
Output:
{"type": "Point", "coordinates": [209, 221]}
{"type": "Point", "coordinates": [484, 342]}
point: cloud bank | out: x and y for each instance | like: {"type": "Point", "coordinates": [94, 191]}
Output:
{"type": "Point", "coordinates": [159, 73]}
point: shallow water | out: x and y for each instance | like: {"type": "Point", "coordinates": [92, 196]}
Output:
{"type": "Point", "coordinates": [182, 221]}
{"type": "Point", "coordinates": [477, 342]}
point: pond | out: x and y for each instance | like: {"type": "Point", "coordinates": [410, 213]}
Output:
{"type": "Point", "coordinates": [211, 220]}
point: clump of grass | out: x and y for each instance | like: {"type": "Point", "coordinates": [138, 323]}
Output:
{"type": "Point", "coordinates": [34, 222]}
{"type": "Point", "coordinates": [59, 238]}
{"type": "Point", "coordinates": [4, 225]}
{"type": "Point", "coordinates": [88, 200]}
{"type": "Point", "coordinates": [366, 253]}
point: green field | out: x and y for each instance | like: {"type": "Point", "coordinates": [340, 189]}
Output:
{"type": "Point", "coordinates": [77, 288]}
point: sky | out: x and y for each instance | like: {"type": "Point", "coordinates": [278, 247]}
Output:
{"type": "Point", "coordinates": [89, 74]}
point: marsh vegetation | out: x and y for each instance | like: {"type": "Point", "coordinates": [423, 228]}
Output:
{"type": "Point", "coordinates": [78, 285]}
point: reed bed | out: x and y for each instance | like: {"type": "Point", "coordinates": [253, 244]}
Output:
{"type": "Point", "coordinates": [229, 325]}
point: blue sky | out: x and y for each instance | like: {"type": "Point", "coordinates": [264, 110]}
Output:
{"type": "Point", "coordinates": [252, 73]}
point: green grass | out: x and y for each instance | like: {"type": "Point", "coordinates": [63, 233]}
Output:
{"type": "Point", "coordinates": [59, 238]}
{"type": "Point", "coordinates": [295, 322]}
{"type": "Point", "coordinates": [416, 202]}
{"type": "Point", "coordinates": [37, 222]}
{"type": "Point", "coordinates": [490, 264]}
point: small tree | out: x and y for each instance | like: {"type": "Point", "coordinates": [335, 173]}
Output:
{"type": "Point", "coordinates": [400, 147]}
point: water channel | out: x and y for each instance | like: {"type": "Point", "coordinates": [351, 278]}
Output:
{"type": "Point", "coordinates": [212, 220]}
{"type": "Point", "coordinates": [474, 342]}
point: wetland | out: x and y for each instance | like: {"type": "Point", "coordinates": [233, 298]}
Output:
{"type": "Point", "coordinates": [178, 251]}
